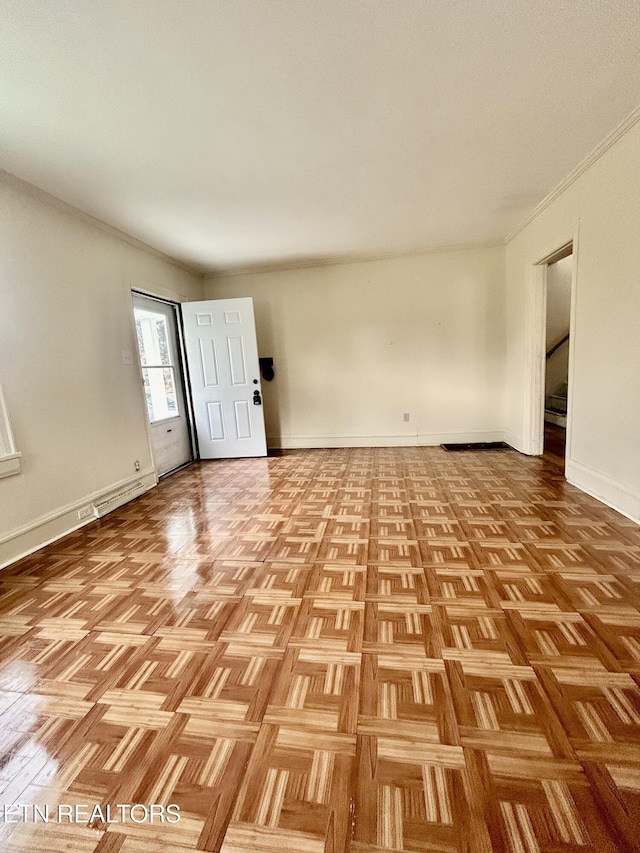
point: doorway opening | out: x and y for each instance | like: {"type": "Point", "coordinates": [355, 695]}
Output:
{"type": "Point", "coordinates": [559, 279]}
{"type": "Point", "coordinates": [159, 339]}
{"type": "Point", "coordinates": [545, 382]}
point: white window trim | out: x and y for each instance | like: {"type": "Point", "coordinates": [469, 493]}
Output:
{"type": "Point", "coordinates": [9, 456]}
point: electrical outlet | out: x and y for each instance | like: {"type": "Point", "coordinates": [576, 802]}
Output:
{"type": "Point", "coordinates": [85, 512]}
{"type": "Point", "coordinates": [405, 417]}
{"type": "Point", "coordinates": [136, 465]}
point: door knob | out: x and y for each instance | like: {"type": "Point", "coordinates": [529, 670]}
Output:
{"type": "Point", "coordinates": [257, 400]}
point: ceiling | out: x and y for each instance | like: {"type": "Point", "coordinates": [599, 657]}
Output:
{"type": "Point", "coordinates": [235, 133]}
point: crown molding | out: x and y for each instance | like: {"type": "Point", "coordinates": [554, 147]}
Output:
{"type": "Point", "coordinates": [316, 263]}
{"type": "Point", "coordinates": [617, 133]}
{"type": "Point", "coordinates": [42, 195]}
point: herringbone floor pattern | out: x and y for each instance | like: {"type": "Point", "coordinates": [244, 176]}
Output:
{"type": "Point", "coordinates": [328, 651]}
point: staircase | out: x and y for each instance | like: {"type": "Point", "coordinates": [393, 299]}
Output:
{"type": "Point", "coordinates": [555, 408]}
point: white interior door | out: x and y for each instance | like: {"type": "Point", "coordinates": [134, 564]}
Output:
{"type": "Point", "coordinates": [222, 357]}
{"type": "Point", "coordinates": [156, 330]}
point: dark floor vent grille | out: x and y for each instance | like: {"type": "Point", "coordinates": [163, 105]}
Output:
{"type": "Point", "coordinates": [478, 445]}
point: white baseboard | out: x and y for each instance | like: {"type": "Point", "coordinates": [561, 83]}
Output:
{"type": "Point", "coordinates": [619, 496]}
{"type": "Point", "coordinates": [297, 442]}
{"type": "Point", "coordinates": [291, 442]}
{"type": "Point", "coordinates": [54, 525]}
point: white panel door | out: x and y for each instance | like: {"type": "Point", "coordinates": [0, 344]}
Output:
{"type": "Point", "coordinates": [222, 356]}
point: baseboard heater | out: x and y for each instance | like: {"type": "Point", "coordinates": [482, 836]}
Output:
{"type": "Point", "coordinates": [478, 445]}
{"type": "Point", "coordinates": [116, 499]}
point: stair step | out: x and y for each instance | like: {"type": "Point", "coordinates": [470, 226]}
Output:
{"type": "Point", "coordinates": [558, 418]}
{"type": "Point", "coordinates": [557, 403]}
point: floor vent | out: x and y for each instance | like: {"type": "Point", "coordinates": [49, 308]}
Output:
{"type": "Point", "coordinates": [116, 499]}
{"type": "Point", "coordinates": [478, 445]}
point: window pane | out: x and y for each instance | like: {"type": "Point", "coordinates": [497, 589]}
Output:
{"type": "Point", "coordinates": [160, 393]}
{"type": "Point", "coordinates": [143, 355]}
{"type": "Point", "coordinates": [163, 341]}
{"type": "Point", "coordinates": [153, 338]}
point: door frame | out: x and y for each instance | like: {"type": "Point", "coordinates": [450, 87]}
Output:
{"type": "Point", "coordinates": [181, 363]}
{"type": "Point", "coordinates": [533, 437]}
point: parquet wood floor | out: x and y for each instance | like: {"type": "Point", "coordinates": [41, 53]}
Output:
{"type": "Point", "coordinates": [555, 441]}
{"type": "Point", "coordinates": [328, 651]}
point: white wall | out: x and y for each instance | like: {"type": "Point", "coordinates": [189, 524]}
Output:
{"type": "Point", "coordinates": [65, 317]}
{"type": "Point", "coordinates": [601, 206]}
{"type": "Point", "coordinates": [357, 345]}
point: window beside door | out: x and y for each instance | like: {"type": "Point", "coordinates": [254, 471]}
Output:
{"type": "Point", "coordinates": [158, 365]}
